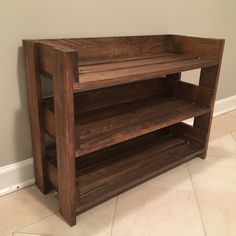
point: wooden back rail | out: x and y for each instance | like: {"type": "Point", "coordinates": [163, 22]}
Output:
{"type": "Point", "coordinates": [107, 97]}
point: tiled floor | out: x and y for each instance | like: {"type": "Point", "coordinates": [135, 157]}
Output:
{"type": "Point", "coordinates": [197, 198]}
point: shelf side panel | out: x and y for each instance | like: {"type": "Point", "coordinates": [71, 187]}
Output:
{"type": "Point", "coordinates": [199, 47]}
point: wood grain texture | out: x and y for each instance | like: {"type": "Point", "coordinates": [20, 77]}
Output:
{"type": "Point", "coordinates": [32, 76]}
{"type": "Point", "coordinates": [108, 126]}
{"type": "Point", "coordinates": [46, 58]}
{"type": "Point", "coordinates": [117, 95]}
{"type": "Point", "coordinates": [95, 80]}
{"type": "Point", "coordinates": [151, 60]}
{"type": "Point", "coordinates": [195, 94]}
{"type": "Point", "coordinates": [103, 61]}
{"type": "Point", "coordinates": [189, 133]}
{"type": "Point", "coordinates": [123, 172]}
{"type": "Point", "coordinates": [209, 78]}
{"type": "Point", "coordinates": [124, 167]}
{"type": "Point", "coordinates": [93, 49]}
{"type": "Point", "coordinates": [64, 74]}
{"type": "Point", "coordinates": [200, 47]}
{"type": "Point", "coordinates": [116, 111]}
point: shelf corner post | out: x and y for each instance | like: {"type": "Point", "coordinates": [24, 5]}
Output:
{"type": "Point", "coordinates": [209, 78]}
{"type": "Point", "coordinates": [65, 72]}
{"type": "Point", "coordinates": [33, 81]}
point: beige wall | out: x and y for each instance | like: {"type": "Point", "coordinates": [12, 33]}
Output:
{"type": "Point", "coordinates": [76, 18]}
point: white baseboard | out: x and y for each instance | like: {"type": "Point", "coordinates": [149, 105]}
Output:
{"type": "Point", "coordinates": [225, 105]}
{"type": "Point", "coordinates": [16, 176]}
{"type": "Point", "coordinates": [19, 175]}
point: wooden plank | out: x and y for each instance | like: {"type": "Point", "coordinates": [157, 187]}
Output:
{"type": "Point", "coordinates": [209, 78]}
{"type": "Point", "coordinates": [186, 91]}
{"type": "Point", "coordinates": [96, 50]}
{"type": "Point", "coordinates": [190, 133]}
{"type": "Point", "coordinates": [149, 70]}
{"type": "Point", "coordinates": [106, 128]}
{"type": "Point", "coordinates": [64, 75]}
{"type": "Point", "coordinates": [108, 97]}
{"type": "Point", "coordinates": [204, 96]}
{"type": "Point", "coordinates": [93, 49]}
{"type": "Point", "coordinates": [102, 79]}
{"type": "Point", "coordinates": [199, 47]}
{"type": "Point", "coordinates": [107, 153]}
{"type": "Point", "coordinates": [123, 168]}
{"type": "Point", "coordinates": [32, 76]}
{"type": "Point", "coordinates": [46, 58]}
{"type": "Point", "coordinates": [159, 59]}
{"type": "Point", "coordinates": [123, 59]}
{"type": "Point", "coordinates": [194, 94]}
{"type": "Point", "coordinates": [111, 177]}
{"type": "Point", "coordinates": [89, 101]}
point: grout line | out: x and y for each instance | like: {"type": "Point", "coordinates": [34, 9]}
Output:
{"type": "Point", "coordinates": [220, 157]}
{"type": "Point", "coordinates": [234, 138]}
{"type": "Point", "coordinates": [195, 194]}
{"type": "Point", "coordinates": [211, 139]}
{"type": "Point", "coordinates": [29, 224]}
{"type": "Point", "coordinates": [114, 214]}
{"type": "Point", "coordinates": [228, 114]}
{"type": "Point", "coordinates": [28, 234]}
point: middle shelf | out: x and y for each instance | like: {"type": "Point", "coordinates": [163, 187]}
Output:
{"type": "Point", "coordinates": [102, 126]}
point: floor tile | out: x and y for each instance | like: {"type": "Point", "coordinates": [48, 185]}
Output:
{"type": "Point", "coordinates": [177, 178]}
{"type": "Point", "coordinates": [218, 212]}
{"type": "Point", "coordinates": [24, 207]}
{"type": "Point", "coordinates": [97, 221]}
{"type": "Point", "coordinates": [224, 146]}
{"type": "Point", "coordinates": [222, 125]}
{"type": "Point", "coordinates": [214, 181]}
{"type": "Point", "coordinates": [214, 174]}
{"type": "Point", "coordinates": [157, 211]}
{"type": "Point", "coordinates": [232, 113]}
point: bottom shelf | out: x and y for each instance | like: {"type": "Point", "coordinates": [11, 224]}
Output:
{"type": "Point", "coordinates": [105, 174]}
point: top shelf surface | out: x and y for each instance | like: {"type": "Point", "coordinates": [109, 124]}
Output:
{"type": "Point", "coordinates": [103, 73]}
{"type": "Point", "coordinates": [109, 61]}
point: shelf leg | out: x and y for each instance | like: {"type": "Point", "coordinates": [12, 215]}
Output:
{"type": "Point", "coordinates": [204, 123]}
{"type": "Point", "coordinates": [65, 71]}
{"type": "Point", "coordinates": [209, 78]}
{"type": "Point", "coordinates": [33, 80]}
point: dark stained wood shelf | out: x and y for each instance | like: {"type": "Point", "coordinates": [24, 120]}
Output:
{"type": "Point", "coordinates": [109, 178]}
{"type": "Point", "coordinates": [117, 122]}
{"type": "Point", "coordinates": [103, 128]}
{"type": "Point", "coordinates": [115, 115]}
{"type": "Point", "coordinates": [106, 74]}
{"type": "Point", "coordinates": [140, 160]}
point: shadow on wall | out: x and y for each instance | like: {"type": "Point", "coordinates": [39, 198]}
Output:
{"type": "Point", "coordinates": [22, 138]}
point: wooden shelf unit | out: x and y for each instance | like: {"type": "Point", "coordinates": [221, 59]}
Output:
{"type": "Point", "coordinates": [116, 110]}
